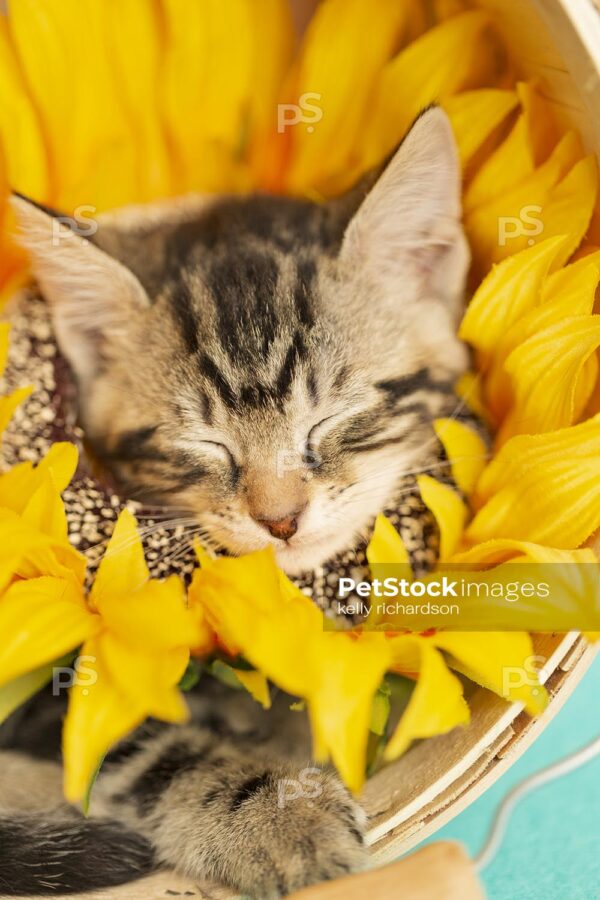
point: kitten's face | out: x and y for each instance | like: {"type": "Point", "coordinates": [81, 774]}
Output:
{"type": "Point", "coordinates": [270, 367]}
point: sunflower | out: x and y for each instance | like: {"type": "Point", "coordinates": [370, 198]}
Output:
{"type": "Point", "coordinates": [173, 97]}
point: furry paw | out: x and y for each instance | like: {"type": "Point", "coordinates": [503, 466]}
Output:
{"type": "Point", "coordinates": [288, 829]}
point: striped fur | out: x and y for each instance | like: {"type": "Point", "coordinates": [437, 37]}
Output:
{"type": "Point", "coordinates": [274, 366]}
{"type": "Point", "coordinates": [261, 359]}
{"type": "Point", "coordinates": [232, 798]}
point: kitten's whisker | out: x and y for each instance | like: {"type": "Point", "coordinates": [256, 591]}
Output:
{"type": "Point", "coordinates": [180, 551]}
{"type": "Point", "coordinates": [184, 545]}
{"type": "Point", "coordinates": [461, 405]}
{"type": "Point", "coordinates": [180, 543]}
{"type": "Point", "coordinates": [157, 517]}
{"type": "Point", "coordinates": [444, 464]}
{"type": "Point", "coordinates": [425, 469]}
{"type": "Point", "coordinates": [365, 486]}
{"type": "Point", "coordinates": [139, 495]}
{"type": "Point", "coordinates": [164, 507]}
{"type": "Point", "coordinates": [143, 534]}
{"type": "Point", "coordinates": [366, 491]}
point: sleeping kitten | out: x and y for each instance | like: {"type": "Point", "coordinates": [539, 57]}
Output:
{"type": "Point", "coordinates": [274, 366]}
{"type": "Point", "coordinates": [271, 364]}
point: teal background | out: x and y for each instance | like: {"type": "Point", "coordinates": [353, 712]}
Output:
{"type": "Point", "coordinates": [551, 850]}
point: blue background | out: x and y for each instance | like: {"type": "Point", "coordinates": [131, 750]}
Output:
{"type": "Point", "coordinates": [551, 850]}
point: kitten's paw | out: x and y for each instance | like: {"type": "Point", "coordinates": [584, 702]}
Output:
{"type": "Point", "coordinates": [296, 829]}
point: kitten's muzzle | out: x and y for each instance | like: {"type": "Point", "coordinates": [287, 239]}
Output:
{"type": "Point", "coordinates": [284, 528]}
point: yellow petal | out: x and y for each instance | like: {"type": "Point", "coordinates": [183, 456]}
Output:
{"type": "Point", "coordinates": [268, 149]}
{"type": "Point", "coordinates": [9, 403]}
{"type": "Point", "coordinates": [570, 205]}
{"type": "Point", "coordinates": [502, 662]}
{"type": "Point", "coordinates": [13, 272]}
{"type": "Point", "coordinates": [123, 568]}
{"type": "Point", "coordinates": [386, 545]}
{"type": "Point", "coordinates": [449, 510]}
{"type": "Point", "coordinates": [511, 289]}
{"type": "Point", "coordinates": [526, 587]}
{"type": "Point", "coordinates": [567, 292]}
{"type": "Point", "coordinates": [17, 692]}
{"type": "Point", "coordinates": [13, 261]}
{"type": "Point", "coordinates": [385, 553]}
{"type": "Point", "coordinates": [341, 701]}
{"type": "Point", "coordinates": [132, 31]}
{"type": "Point", "coordinates": [527, 454]}
{"type": "Point", "coordinates": [465, 449]}
{"type": "Point", "coordinates": [61, 462]}
{"type": "Point", "coordinates": [207, 88]}
{"type": "Point", "coordinates": [97, 164]}
{"type": "Point", "coordinates": [205, 558]}
{"type": "Point", "coordinates": [99, 715]}
{"type": "Point", "coordinates": [500, 550]}
{"type": "Point", "coordinates": [205, 638]}
{"type": "Point", "coordinates": [586, 399]}
{"type": "Point", "coordinates": [513, 165]}
{"type": "Point", "coordinates": [572, 280]}
{"type": "Point", "coordinates": [525, 512]}
{"type": "Point", "coordinates": [274, 28]}
{"type": "Point", "coordinates": [256, 684]}
{"type": "Point", "coordinates": [24, 146]}
{"type": "Point", "coordinates": [426, 714]}
{"type": "Point", "coordinates": [444, 9]}
{"type": "Point", "coordinates": [475, 115]}
{"type": "Point", "coordinates": [546, 371]}
{"type": "Point", "coordinates": [149, 678]}
{"type": "Point", "coordinates": [334, 50]}
{"type": "Point", "coordinates": [508, 165]}
{"type": "Point", "coordinates": [543, 131]}
{"type": "Point", "coordinates": [441, 62]}
{"type": "Point", "coordinates": [280, 632]}
{"type": "Point", "coordinates": [529, 144]}
{"type": "Point", "coordinates": [545, 204]}
{"type": "Point", "coordinates": [154, 617]}
{"type": "Point", "coordinates": [18, 484]}
{"type": "Point", "coordinates": [40, 620]}
{"type": "Point", "coordinates": [542, 488]}
{"type": "Point", "coordinates": [45, 511]}
{"type": "Point", "coordinates": [255, 610]}
{"type": "Point", "coordinates": [469, 389]}
{"type": "Point", "coordinates": [26, 552]}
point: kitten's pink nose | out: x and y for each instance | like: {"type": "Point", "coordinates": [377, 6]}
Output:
{"type": "Point", "coordinates": [284, 529]}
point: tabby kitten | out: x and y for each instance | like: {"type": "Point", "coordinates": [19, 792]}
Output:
{"type": "Point", "coordinates": [271, 364]}
{"type": "Point", "coordinates": [274, 366]}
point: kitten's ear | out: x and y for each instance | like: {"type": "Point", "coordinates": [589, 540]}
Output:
{"type": "Point", "coordinates": [92, 295]}
{"type": "Point", "coordinates": [408, 229]}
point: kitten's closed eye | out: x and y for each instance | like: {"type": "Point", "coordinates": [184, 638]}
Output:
{"type": "Point", "coordinates": [310, 451]}
{"type": "Point", "coordinates": [256, 316]}
{"type": "Point", "coordinates": [219, 449]}
{"type": "Point", "coordinates": [235, 468]}
{"type": "Point", "coordinates": [317, 431]}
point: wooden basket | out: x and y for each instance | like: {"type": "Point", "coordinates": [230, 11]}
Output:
{"type": "Point", "coordinates": [558, 43]}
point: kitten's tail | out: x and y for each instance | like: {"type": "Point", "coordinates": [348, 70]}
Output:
{"type": "Point", "coordinates": [41, 858]}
